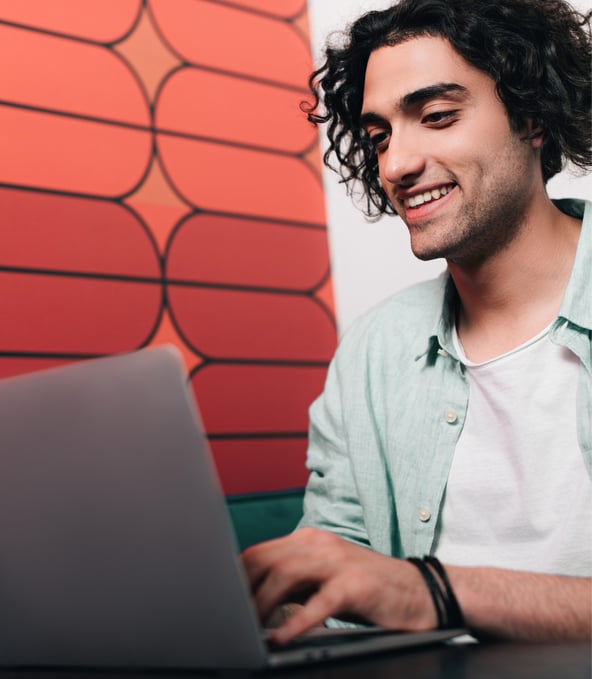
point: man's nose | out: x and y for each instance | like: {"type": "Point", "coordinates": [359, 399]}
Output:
{"type": "Point", "coordinates": [402, 162]}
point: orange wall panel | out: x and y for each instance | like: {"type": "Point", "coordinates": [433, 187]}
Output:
{"type": "Point", "coordinates": [70, 77]}
{"type": "Point", "coordinates": [262, 464]}
{"type": "Point", "coordinates": [63, 314]}
{"type": "Point", "coordinates": [70, 234]}
{"type": "Point", "coordinates": [63, 154]}
{"type": "Point", "coordinates": [97, 20]}
{"type": "Point", "coordinates": [216, 106]}
{"type": "Point", "coordinates": [247, 252]}
{"type": "Point", "coordinates": [10, 367]}
{"type": "Point", "coordinates": [255, 399]}
{"type": "Point", "coordinates": [286, 9]}
{"type": "Point", "coordinates": [228, 39]}
{"type": "Point", "coordinates": [265, 326]}
{"type": "Point", "coordinates": [261, 184]}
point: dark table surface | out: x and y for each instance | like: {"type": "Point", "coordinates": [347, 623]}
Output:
{"type": "Point", "coordinates": [444, 661]}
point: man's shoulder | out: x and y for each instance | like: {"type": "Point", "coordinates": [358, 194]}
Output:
{"type": "Point", "coordinates": [415, 302]}
{"type": "Point", "coordinates": [410, 313]}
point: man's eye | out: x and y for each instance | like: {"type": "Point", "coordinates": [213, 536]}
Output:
{"type": "Point", "coordinates": [439, 117]}
{"type": "Point", "coordinates": [379, 140]}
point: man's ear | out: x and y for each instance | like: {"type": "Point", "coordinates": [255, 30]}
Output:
{"type": "Point", "coordinates": [534, 133]}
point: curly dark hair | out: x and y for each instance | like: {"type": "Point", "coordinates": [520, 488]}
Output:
{"type": "Point", "coordinates": [538, 53]}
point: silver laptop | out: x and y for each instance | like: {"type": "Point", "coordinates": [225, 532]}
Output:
{"type": "Point", "coordinates": [116, 549]}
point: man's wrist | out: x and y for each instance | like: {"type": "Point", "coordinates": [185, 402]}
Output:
{"type": "Point", "coordinates": [446, 606]}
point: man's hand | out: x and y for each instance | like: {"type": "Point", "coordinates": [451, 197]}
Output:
{"type": "Point", "coordinates": [333, 577]}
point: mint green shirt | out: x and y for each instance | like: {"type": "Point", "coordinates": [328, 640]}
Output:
{"type": "Point", "coordinates": [383, 433]}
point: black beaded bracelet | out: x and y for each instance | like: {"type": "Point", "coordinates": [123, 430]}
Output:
{"type": "Point", "coordinates": [447, 609]}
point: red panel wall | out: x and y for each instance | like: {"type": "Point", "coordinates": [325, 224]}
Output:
{"type": "Point", "coordinates": [158, 183]}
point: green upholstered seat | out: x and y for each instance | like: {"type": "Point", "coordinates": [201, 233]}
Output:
{"type": "Point", "coordinates": [263, 516]}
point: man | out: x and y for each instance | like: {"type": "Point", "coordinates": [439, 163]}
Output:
{"type": "Point", "coordinates": [456, 420]}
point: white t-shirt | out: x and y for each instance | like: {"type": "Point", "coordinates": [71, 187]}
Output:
{"type": "Point", "coordinates": [518, 494]}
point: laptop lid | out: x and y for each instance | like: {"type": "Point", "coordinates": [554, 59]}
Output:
{"type": "Point", "coordinates": [115, 544]}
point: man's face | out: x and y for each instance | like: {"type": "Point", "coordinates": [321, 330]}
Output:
{"type": "Point", "coordinates": [455, 172]}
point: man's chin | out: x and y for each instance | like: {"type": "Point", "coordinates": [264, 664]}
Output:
{"type": "Point", "coordinates": [423, 241]}
{"type": "Point", "coordinates": [427, 253]}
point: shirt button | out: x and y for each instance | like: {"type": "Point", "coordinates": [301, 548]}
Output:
{"type": "Point", "coordinates": [450, 416]}
{"type": "Point", "coordinates": [442, 352]}
{"type": "Point", "coordinates": [424, 515]}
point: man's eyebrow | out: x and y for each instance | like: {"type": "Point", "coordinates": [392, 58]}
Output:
{"type": "Point", "coordinates": [447, 90]}
{"type": "Point", "coordinates": [452, 91]}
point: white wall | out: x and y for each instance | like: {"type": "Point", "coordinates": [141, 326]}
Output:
{"type": "Point", "coordinates": [373, 260]}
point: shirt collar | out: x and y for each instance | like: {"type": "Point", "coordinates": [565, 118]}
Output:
{"type": "Point", "coordinates": [576, 307]}
{"type": "Point", "coordinates": [577, 301]}
{"type": "Point", "coordinates": [444, 320]}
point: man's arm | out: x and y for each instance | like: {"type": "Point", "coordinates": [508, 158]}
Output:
{"type": "Point", "coordinates": [337, 578]}
{"type": "Point", "coordinates": [521, 605]}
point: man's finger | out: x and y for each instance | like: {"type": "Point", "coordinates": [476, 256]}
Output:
{"type": "Point", "coordinates": [286, 584]}
{"type": "Point", "coordinates": [320, 606]}
{"type": "Point", "coordinates": [259, 559]}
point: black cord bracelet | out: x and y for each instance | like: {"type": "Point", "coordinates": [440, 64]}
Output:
{"type": "Point", "coordinates": [454, 614]}
{"type": "Point", "coordinates": [434, 589]}
{"type": "Point", "coordinates": [447, 609]}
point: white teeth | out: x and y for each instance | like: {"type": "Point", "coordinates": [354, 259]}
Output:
{"type": "Point", "coordinates": [428, 196]}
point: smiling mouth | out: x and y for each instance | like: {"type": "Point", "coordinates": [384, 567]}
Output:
{"type": "Point", "coordinates": [428, 196]}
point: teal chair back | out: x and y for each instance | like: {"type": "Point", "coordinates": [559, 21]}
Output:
{"type": "Point", "coordinates": [259, 517]}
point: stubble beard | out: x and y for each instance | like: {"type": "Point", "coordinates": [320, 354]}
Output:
{"type": "Point", "coordinates": [479, 233]}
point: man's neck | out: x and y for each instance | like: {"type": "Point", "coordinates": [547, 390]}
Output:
{"type": "Point", "coordinates": [510, 297]}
